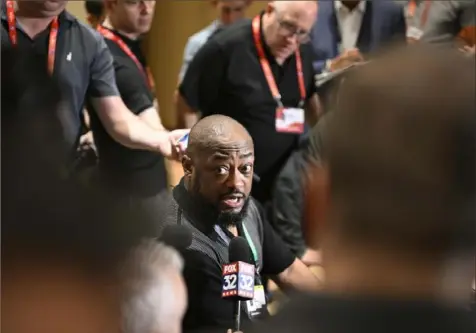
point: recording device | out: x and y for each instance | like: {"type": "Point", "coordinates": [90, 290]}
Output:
{"type": "Point", "coordinates": [176, 236]}
{"type": "Point", "coordinates": [238, 277]}
{"type": "Point", "coordinates": [184, 141]}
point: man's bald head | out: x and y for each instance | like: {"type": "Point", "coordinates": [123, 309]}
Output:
{"type": "Point", "coordinates": [286, 25]}
{"type": "Point", "coordinates": [295, 5]}
{"type": "Point", "coordinates": [218, 167]}
{"type": "Point", "coordinates": [217, 131]}
{"type": "Point", "coordinates": [401, 152]}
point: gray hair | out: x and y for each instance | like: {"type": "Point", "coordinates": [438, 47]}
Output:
{"type": "Point", "coordinates": [147, 285]}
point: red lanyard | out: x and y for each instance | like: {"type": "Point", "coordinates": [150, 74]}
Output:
{"type": "Point", "coordinates": [267, 69]}
{"type": "Point", "coordinates": [424, 15]}
{"type": "Point", "coordinates": [12, 31]}
{"type": "Point", "coordinates": [145, 71]}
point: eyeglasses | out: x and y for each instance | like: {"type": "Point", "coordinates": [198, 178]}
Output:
{"type": "Point", "coordinates": [290, 29]}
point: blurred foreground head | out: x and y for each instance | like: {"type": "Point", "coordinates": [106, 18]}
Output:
{"type": "Point", "coordinates": [154, 296]}
{"type": "Point", "coordinates": [397, 193]}
{"type": "Point", "coordinates": [60, 243]}
{"type": "Point", "coordinates": [95, 12]}
{"type": "Point", "coordinates": [230, 11]}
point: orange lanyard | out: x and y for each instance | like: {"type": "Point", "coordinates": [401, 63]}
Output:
{"type": "Point", "coordinates": [12, 31]}
{"type": "Point", "coordinates": [424, 15]}
{"type": "Point", "coordinates": [145, 71]}
{"type": "Point", "coordinates": [267, 69]}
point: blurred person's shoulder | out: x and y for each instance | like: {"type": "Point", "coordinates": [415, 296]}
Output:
{"type": "Point", "coordinates": [200, 37]}
{"type": "Point", "coordinates": [463, 3]}
{"type": "Point", "coordinates": [79, 26]}
{"type": "Point", "coordinates": [344, 314]}
{"type": "Point", "coordinates": [234, 36]}
{"type": "Point", "coordinates": [84, 34]}
{"type": "Point", "coordinates": [395, 6]}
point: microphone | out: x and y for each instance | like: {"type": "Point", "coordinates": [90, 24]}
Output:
{"type": "Point", "coordinates": [176, 236]}
{"type": "Point", "coordinates": [238, 277]}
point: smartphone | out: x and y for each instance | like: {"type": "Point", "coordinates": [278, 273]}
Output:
{"type": "Point", "coordinates": [184, 141]}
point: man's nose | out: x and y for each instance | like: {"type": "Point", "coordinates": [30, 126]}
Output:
{"type": "Point", "coordinates": [147, 6]}
{"type": "Point", "coordinates": [292, 39]}
{"type": "Point", "coordinates": [235, 180]}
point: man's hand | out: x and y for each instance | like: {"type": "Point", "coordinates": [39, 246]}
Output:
{"type": "Point", "coordinates": [86, 142]}
{"type": "Point", "coordinates": [311, 258]}
{"type": "Point", "coordinates": [172, 149]}
{"type": "Point", "coordinates": [346, 59]}
{"type": "Point", "coordinates": [468, 50]}
{"type": "Point", "coordinates": [298, 277]}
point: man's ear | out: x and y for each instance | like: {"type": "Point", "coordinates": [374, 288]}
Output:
{"type": "Point", "coordinates": [269, 7]}
{"type": "Point", "coordinates": [109, 4]}
{"type": "Point", "coordinates": [90, 19]}
{"type": "Point", "coordinates": [187, 165]}
{"type": "Point", "coordinates": [316, 204]}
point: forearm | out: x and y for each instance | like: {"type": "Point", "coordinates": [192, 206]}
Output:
{"type": "Point", "coordinates": [136, 134]}
{"type": "Point", "coordinates": [156, 122]}
{"type": "Point", "coordinates": [127, 128]}
{"type": "Point", "coordinates": [298, 277]}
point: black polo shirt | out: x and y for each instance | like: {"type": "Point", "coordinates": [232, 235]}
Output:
{"type": "Point", "coordinates": [83, 65]}
{"type": "Point", "coordinates": [140, 171]}
{"type": "Point", "coordinates": [208, 252]}
{"type": "Point", "coordinates": [225, 77]}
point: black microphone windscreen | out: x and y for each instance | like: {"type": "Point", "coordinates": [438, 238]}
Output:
{"type": "Point", "coordinates": [239, 250]}
{"type": "Point", "coordinates": [176, 236]}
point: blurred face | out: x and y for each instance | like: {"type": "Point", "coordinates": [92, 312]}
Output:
{"type": "Point", "coordinates": [222, 177]}
{"type": "Point", "coordinates": [43, 8]}
{"type": "Point", "coordinates": [230, 11]}
{"type": "Point", "coordinates": [94, 21]}
{"type": "Point", "coordinates": [176, 305]}
{"type": "Point", "coordinates": [133, 16]}
{"type": "Point", "coordinates": [56, 299]}
{"type": "Point", "coordinates": [290, 26]}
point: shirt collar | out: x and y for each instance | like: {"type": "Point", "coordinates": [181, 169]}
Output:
{"type": "Point", "coordinates": [267, 50]}
{"type": "Point", "coordinates": [133, 44]}
{"type": "Point", "coordinates": [200, 214]}
{"type": "Point", "coordinates": [338, 5]}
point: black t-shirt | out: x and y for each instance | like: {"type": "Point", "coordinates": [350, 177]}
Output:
{"type": "Point", "coordinates": [333, 314]}
{"type": "Point", "coordinates": [136, 170]}
{"type": "Point", "coordinates": [203, 275]}
{"type": "Point", "coordinates": [225, 77]}
{"type": "Point", "coordinates": [83, 66]}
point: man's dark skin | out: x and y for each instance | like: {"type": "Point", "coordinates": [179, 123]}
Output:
{"type": "Point", "coordinates": [219, 164]}
{"type": "Point", "coordinates": [218, 167]}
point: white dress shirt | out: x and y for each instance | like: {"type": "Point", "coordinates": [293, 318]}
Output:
{"type": "Point", "coordinates": [349, 22]}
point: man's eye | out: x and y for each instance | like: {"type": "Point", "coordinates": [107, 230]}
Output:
{"type": "Point", "coordinates": [247, 168]}
{"type": "Point", "coordinates": [222, 170]}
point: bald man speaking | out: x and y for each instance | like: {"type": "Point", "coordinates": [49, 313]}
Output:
{"type": "Point", "coordinates": [213, 201]}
